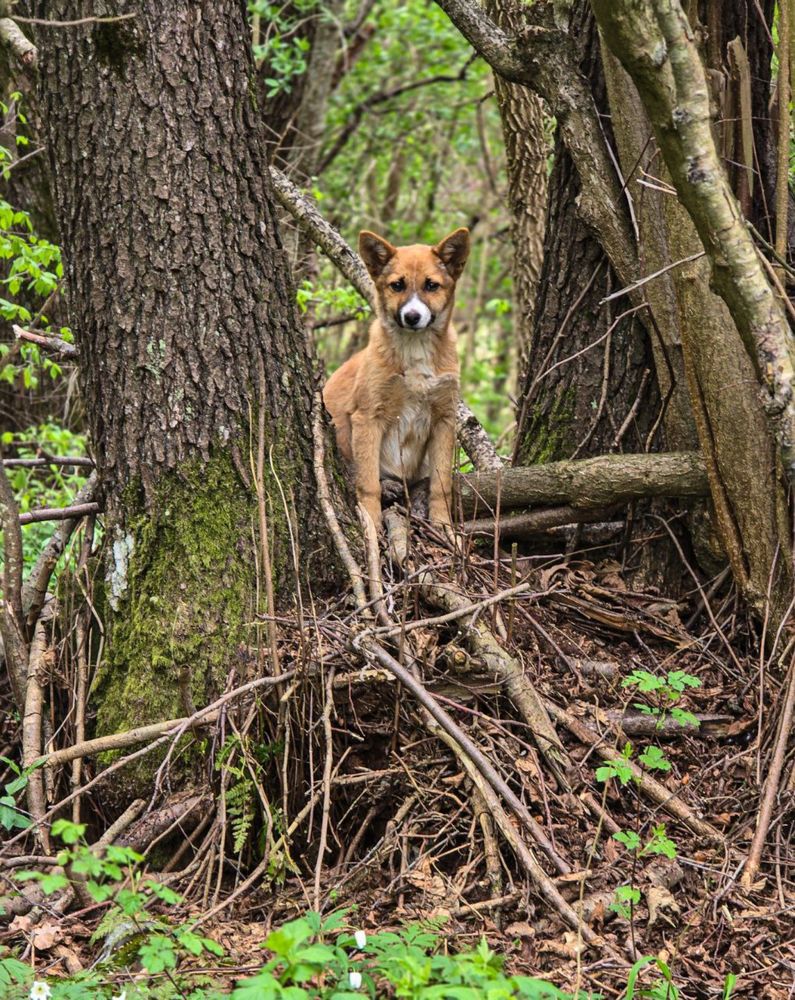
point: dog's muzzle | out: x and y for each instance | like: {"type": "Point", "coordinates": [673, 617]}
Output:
{"type": "Point", "coordinates": [415, 315]}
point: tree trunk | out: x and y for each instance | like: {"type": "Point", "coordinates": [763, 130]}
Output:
{"type": "Point", "coordinates": [522, 117]}
{"type": "Point", "coordinates": [579, 407]}
{"type": "Point", "coordinates": [733, 430]}
{"type": "Point", "coordinates": [182, 306]}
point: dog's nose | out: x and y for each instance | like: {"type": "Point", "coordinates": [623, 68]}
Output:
{"type": "Point", "coordinates": [411, 318]}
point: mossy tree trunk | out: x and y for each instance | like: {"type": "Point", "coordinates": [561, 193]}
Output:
{"type": "Point", "coordinates": [182, 306]}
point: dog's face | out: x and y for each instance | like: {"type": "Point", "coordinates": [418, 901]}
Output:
{"type": "Point", "coordinates": [415, 285]}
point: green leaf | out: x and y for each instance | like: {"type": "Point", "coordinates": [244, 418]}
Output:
{"type": "Point", "coordinates": [654, 759]}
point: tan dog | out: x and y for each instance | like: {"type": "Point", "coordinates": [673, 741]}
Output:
{"type": "Point", "coordinates": [393, 404]}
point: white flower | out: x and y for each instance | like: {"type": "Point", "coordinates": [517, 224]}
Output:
{"type": "Point", "coordinates": [40, 990]}
{"type": "Point", "coordinates": [355, 979]}
{"type": "Point", "coordinates": [361, 939]}
{"type": "Point", "coordinates": [121, 996]}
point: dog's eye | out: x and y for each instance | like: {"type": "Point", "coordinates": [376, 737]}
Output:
{"type": "Point", "coordinates": [431, 285]}
{"type": "Point", "coordinates": [398, 286]}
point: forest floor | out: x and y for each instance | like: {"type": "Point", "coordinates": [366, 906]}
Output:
{"type": "Point", "coordinates": [636, 794]}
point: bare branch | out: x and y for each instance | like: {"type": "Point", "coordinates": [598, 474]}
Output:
{"type": "Point", "coordinates": [53, 345]}
{"type": "Point", "coordinates": [59, 513]}
{"type": "Point", "coordinates": [34, 589]}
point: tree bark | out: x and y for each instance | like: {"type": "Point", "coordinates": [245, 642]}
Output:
{"type": "Point", "coordinates": [592, 483]}
{"type": "Point", "coordinates": [578, 407]}
{"type": "Point", "coordinates": [522, 117]}
{"type": "Point", "coordinates": [733, 429]}
{"type": "Point", "coordinates": [192, 354]}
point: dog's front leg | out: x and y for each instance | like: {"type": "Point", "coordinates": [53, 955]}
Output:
{"type": "Point", "coordinates": [366, 441]}
{"type": "Point", "coordinates": [441, 449]}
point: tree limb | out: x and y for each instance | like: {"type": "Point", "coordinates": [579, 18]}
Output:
{"type": "Point", "coordinates": [587, 483]}
{"type": "Point", "coordinates": [56, 346]}
{"type": "Point", "coordinates": [655, 44]}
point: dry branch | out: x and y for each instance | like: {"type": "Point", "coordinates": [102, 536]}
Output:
{"type": "Point", "coordinates": [535, 521]}
{"type": "Point", "coordinates": [587, 483]}
{"type": "Point", "coordinates": [59, 513]}
{"type": "Point", "coordinates": [34, 589]}
{"type": "Point", "coordinates": [655, 44]}
{"type": "Point", "coordinates": [56, 346]}
{"type": "Point", "coordinates": [650, 787]}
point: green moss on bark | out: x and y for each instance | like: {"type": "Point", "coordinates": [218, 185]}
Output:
{"type": "Point", "coordinates": [550, 435]}
{"type": "Point", "coordinates": [182, 582]}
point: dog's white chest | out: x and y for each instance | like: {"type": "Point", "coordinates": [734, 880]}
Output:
{"type": "Point", "coordinates": [405, 441]}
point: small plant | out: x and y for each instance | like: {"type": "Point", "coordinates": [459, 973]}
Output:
{"type": "Point", "coordinates": [666, 693]}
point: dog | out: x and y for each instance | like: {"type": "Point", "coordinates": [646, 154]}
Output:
{"type": "Point", "coordinates": [393, 405]}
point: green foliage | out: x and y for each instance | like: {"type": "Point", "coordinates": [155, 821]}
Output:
{"type": "Point", "coordinates": [11, 816]}
{"type": "Point", "coordinates": [282, 50]}
{"type": "Point", "coordinates": [46, 486]}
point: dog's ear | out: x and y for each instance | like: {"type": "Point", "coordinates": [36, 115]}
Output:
{"type": "Point", "coordinates": [375, 251]}
{"type": "Point", "coordinates": [453, 252]}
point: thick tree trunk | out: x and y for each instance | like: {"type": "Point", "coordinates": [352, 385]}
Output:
{"type": "Point", "coordinates": [182, 306]}
{"type": "Point", "coordinates": [580, 407]}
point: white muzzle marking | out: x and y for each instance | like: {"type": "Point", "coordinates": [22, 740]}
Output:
{"type": "Point", "coordinates": [415, 305]}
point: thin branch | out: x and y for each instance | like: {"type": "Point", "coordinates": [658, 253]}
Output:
{"type": "Point", "coordinates": [59, 513]}
{"type": "Point", "coordinates": [53, 345]}
{"type": "Point", "coordinates": [34, 589]}
{"type": "Point", "coordinates": [75, 24]}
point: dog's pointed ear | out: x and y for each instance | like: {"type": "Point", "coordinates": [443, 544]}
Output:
{"type": "Point", "coordinates": [375, 251]}
{"type": "Point", "coordinates": [453, 252]}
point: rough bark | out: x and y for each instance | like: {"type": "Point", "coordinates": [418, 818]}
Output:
{"type": "Point", "coordinates": [591, 483]}
{"type": "Point", "coordinates": [522, 117]}
{"type": "Point", "coordinates": [183, 310]}
{"type": "Point", "coordinates": [578, 407]}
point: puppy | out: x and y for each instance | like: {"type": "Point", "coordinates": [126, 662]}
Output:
{"type": "Point", "coordinates": [393, 404]}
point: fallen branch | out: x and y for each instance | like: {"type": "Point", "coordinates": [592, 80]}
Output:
{"type": "Point", "coordinates": [535, 521]}
{"type": "Point", "coordinates": [771, 783]}
{"type": "Point", "coordinates": [587, 483]}
{"type": "Point", "coordinates": [650, 787]}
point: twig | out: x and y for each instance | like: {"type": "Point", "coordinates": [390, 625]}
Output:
{"type": "Point", "coordinates": [521, 525]}
{"type": "Point", "coordinates": [650, 277]}
{"type": "Point", "coordinates": [53, 345]}
{"type": "Point", "coordinates": [772, 783]}
{"type": "Point", "coordinates": [59, 513]}
{"type": "Point", "coordinates": [76, 23]}
{"type": "Point", "coordinates": [39, 463]}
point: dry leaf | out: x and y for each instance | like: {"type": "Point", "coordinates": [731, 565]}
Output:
{"type": "Point", "coordinates": [661, 903]}
{"type": "Point", "coordinates": [45, 936]}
